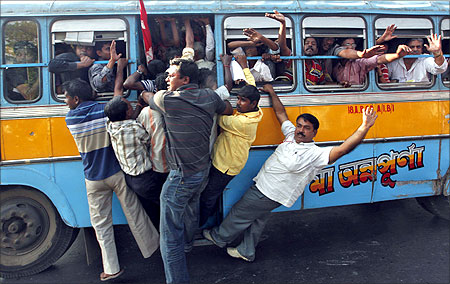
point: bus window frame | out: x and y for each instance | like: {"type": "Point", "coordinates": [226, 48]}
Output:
{"type": "Point", "coordinates": [279, 89]}
{"type": "Point", "coordinates": [404, 85]}
{"type": "Point", "coordinates": [38, 65]}
{"type": "Point", "coordinates": [447, 56]}
{"type": "Point", "coordinates": [107, 95]}
{"type": "Point", "coordinates": [335, 88]}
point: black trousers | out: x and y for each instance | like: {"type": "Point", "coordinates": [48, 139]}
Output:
{"type": "Point", "coordinates": [147, 187]}
{"type": "Point", "coordinates": [217, 181]}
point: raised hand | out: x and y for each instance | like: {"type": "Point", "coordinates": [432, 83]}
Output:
{"type": "Point", "coordinates": [253, 35]}
{"type": "Point", "coordinates": [276, 16]}
{"type": "Point", "coordinates": [434, 44]}
{"type": "Point", "coordinates": [369, 117]}
{"type": "Point", "coordinates": [114, 55]}
{"type": "Point", "coordinates": [388, 34]}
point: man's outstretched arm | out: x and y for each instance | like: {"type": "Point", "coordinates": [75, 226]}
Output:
{"type": "Point", "coordinates": [369, 117]}
{"type": "Point", "coordinates": [277, 106]}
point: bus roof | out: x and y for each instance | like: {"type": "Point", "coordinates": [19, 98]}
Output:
{"type": "Point", "coordinates": [58, 7]}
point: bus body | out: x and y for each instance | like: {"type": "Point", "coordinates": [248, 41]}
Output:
{"type": "Point", "coordinates": [405, 155]}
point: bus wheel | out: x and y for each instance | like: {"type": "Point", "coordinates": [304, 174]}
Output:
{"type": "Point", "coordinates": [437, 205]}
{"type": "Point", "coordinates": [32, 234]}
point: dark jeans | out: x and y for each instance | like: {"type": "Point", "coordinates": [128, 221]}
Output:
{"type": "Point", "coordinates": [211, 194]}
{"type": "Point", "coordinates": [177, 193]}
{"type": "Point", "coordinates": [147, 187]}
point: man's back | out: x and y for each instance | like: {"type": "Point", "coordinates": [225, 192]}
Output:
{"type": "Point", "coordinates": [87, 124]}
{"type": "Point", "coordinates": [188, 114]}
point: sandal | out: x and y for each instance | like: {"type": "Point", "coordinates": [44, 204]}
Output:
{"type": "Point", "coordinates": [106, 277]}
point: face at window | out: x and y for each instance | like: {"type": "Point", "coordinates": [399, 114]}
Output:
{"type": "Point", "coordinates": [83, 50]}
{"type": "Point", "coordinates": [310, 47]}
{"type": "Point", "coordinates": [244, 105]}
{"type": "Point", "coordinates": [416, 47]}
{"type": "Point", "coordinates": [327, 43]}
{"type": "Point", "coordinates": [26, 56]}
{"type": "Point", "coordinates": [304, 131]}
{"type": "Point", "coordinates": [251, 51]}
{"type": "Point", "coordinates": [105, 52]}
{"type": "Point", "coordinates": [349, 43]}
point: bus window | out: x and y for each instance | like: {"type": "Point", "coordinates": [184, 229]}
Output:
{"type": "Point", "coordinates": [321, 37]}
{"type": "Point", "coordinates": [445, 33]}
{"type": "Point", "coordinates": [83, 37]}
{"type": "Point", "coordinates": [407, 30]}
{"type": "Point", "coordinates": [21, 46]}
{"type": "Point", "coordinates": [280, 72]}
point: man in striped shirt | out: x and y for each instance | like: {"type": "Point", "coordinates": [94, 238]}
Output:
{"type": "Point", "coordinates": [86, 121]}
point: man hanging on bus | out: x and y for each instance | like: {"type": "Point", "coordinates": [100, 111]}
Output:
{"type": "Point", "coordinates": [86, 121]}
{"type": "Point", "coordinates": [282, 178]}
{"type": "Point", "coordinates": [188, 114]}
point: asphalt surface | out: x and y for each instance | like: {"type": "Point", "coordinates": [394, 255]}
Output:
{"type": "Point", "coordinates": [388, 242]}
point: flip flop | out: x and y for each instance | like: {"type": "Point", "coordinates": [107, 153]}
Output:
{"type": "Point", "coordinates": [106, 277]}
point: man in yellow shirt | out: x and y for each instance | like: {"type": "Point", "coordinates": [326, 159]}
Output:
{"type": "Point", "coordinates": [231, 149]}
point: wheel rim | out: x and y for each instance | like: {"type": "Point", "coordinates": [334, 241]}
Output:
{"type": "Point", "coordinates": [24, 226]}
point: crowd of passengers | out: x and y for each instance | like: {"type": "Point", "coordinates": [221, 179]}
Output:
{"type": "Point", "coordinates": [164, 158]}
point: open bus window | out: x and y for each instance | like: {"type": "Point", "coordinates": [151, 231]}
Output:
{"type": "Point", "coordinates": [21, 46]}
{"type": "Point", "coordinates": [445, 32]}
{"type": "Point", "coordinates": [280, 73]}
{"type": "Point", "coordinates": [410, 31]}
{"type": "Point", "coordinates": [323, 36]}
{"type": "Point", "coordinates": [74, 39]}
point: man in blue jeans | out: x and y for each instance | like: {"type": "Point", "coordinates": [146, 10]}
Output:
{"type": "Point", "coordinates": [188, 114]}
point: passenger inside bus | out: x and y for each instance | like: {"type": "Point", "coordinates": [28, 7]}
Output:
{"type": "Point", "coordinates": [23, 83]}
{"type": "Point", "coordinates": [102, 76]}
{"type": "Point", "coordinates": [354, 71]}
{"type": "Point", "coordinates": [419, 69]}
{"type": "Point", "coordinates": [70, 65]}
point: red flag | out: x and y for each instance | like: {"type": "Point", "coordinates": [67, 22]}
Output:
{"type": "Point", "coordinates": [146, 32]}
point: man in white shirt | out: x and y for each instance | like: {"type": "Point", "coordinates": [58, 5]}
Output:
{"type": "Point", "coordinates": [417, 69]}
{"type": "Point", "coordinates": [282, 178]}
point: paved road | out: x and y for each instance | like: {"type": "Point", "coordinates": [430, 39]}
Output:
{"type": "Point", "coordinates": [388, 242]}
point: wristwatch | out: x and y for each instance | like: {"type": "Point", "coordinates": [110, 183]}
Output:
{"type": "Point", "coordinates": [139, 71]}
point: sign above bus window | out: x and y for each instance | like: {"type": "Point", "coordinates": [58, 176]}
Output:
{"type": "Point", "coordinates": [406, 27]}
{"type": "Point", "coordinates": [87, 31]}
{"type": "Point", "coordinates": [233, 26]}
{"type": "Point", "coordinates": [334, 27]}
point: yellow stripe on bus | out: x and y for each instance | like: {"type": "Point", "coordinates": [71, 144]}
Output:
{"type": "Point", "coordinates": [49, 137]}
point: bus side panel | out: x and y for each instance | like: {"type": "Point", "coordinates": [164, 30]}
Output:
{"type": "Point", "coordinates": [69, 198]}
{"type": "Point", "coordinates": [76, 192]}
{"type": "Point", "coordinates": [406, 169]}
{"type": "Point", "coordinates": [445, 162]}
{"type": "Point", "coordinates": [347, 181]}
{"type": "Point", "coordinates": [40, 177]}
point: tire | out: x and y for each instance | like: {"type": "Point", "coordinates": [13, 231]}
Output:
{"type": "Point", "coordinates": [437, 205]}
{"type": "Point", "coordinates": [32, 234]}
